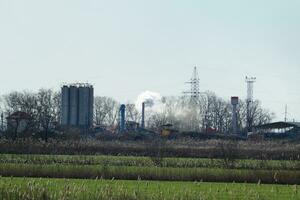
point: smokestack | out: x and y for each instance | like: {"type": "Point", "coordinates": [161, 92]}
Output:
{"type": "Point", "coordinates": [143, 115]}
{"type": "Point", "coordinates": [234, 103]}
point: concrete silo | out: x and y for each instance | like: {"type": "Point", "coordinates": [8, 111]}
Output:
{"type": "Point", "coordinates": [77, 105]}
{"type": "Point", "coordinates": [65, 95]}
{"type": "Point", "coordinates": [73, 105]}
{"type": "Point", "coordinates": [91, 105]}
{"type": "Point", "coordinates": [84, 119]}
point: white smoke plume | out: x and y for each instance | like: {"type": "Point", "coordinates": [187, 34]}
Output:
{"type": "Point", "coordinates": [153, 101]}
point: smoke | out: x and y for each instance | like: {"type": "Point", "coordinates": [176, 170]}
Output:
{"type": "Point", "coordinates": [153, 101]}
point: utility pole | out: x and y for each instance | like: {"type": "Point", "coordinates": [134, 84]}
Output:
{"type": "Point", "coordinates": [249, 101]}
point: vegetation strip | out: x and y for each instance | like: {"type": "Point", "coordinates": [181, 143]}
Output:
{"type": "Point", "coordinates": [32, 188]}
{"type": "Point", "coordinates": [150, 173]}
{"type": "Point", "coordinates": [178, 148]}
{"type": "Point", "coordinates": [150, 161]}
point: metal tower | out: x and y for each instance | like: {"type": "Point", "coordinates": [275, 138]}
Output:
{"type": "Point", "coordinates": [250, 82]}
{"type": "Point", "coordinates": [195, 87]}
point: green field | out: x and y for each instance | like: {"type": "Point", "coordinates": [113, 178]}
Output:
{"type": "Point", "coordinates": [145, 168]}
{"type": "Point", "coordinates": [29, 188]}
{"type": "Point", "coordinates": [150, 162]}
{"type": "Point", "coordinates": [133, 177]}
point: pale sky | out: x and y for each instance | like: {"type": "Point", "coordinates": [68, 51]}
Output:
{"type": "Point", "coordinates": [127, 47]}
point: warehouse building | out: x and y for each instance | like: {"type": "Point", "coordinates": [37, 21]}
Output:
{"type": "Point", "coordinates": [278, 130]}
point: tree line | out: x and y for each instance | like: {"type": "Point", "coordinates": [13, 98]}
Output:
{"type": "Point", "coordinates": [210, 113]}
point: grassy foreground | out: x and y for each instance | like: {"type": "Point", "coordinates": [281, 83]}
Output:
{"type": "Point", "coordinates": [31, 188]}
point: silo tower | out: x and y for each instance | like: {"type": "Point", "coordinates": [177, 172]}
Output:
{"type": "Point", "coordinates": [77, 102]}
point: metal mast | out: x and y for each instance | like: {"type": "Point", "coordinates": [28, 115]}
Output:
{"type": "Point", "coordinates": [195, 87]}
{"type": "Point", "coordinates": [250, 82]}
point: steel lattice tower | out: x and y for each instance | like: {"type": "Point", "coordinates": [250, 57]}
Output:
{"type": "Point", "coordinates": [195, 87]}
{"type": "Point", "coordinates": [250, 82]}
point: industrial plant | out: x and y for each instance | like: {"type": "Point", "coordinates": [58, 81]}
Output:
{"type": "Point", "coordinates": [192, 112]}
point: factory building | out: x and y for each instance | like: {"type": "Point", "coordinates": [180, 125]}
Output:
{"type": "Point", "coordinates": [77, 101]}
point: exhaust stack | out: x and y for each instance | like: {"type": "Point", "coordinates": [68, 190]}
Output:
{"type": "Point", "coordinates": [143, 115]}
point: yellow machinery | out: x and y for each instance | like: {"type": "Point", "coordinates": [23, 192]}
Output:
{"type": "Point", "coordinates": [166, 130]}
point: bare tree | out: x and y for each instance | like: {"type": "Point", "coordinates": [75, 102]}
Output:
{"type": "Point", "coordinates": [43, 107]}
{"type": "Point", "coordinates": [211, 112]}
{"type": "Point", "coordinates": [21, 101]}
{"type": "Point", "coordinates": [106, 110]}
{"type": "Point", "coordinates": [133, 112]}
{"type": "Point", "coordinates": [47, 110]}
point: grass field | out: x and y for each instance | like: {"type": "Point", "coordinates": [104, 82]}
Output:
{"type": "Point", "coordinates": [29, 188]}
{"type": "Point", "coordinates": [150, 162]}
{"type": "Point", "coordinates": [134, 177]}
{"type": "Point", "coordinates": [133, 168]}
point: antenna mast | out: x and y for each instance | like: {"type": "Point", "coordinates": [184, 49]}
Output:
{"type": "Point", "coordinates": [250, 82]}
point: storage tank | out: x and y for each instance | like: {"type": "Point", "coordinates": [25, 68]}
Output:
{"type": "Point", "coordinates": [77, 105]}
{"type": "Point", "coordinates": [91, 112]}
{"type": "Point", "coordinates": [84, 107]}
{"type": "Point", "coordinates": [73, 105]}
{"type": "Point", "coordinates": [65, 97]}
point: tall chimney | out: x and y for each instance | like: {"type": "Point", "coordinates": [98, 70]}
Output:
{"type": "Point", "coordinates": [143, 115]}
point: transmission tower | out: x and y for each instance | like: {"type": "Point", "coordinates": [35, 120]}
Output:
{"type": "Point", "coordinates": [250, 82]}
{"type": "Point", "coordinates": [194, 82]}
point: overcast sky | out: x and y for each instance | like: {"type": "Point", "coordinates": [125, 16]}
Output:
{"type": "Point", "coordinates": [127, 47]}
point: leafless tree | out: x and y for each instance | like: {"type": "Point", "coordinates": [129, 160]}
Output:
{"type": "Point", "coordinates": [43, 107]}
{"type": "Point", "coordinates": [106, 110]}
{"type": "Point", "coordinates": [211, 112]}
{"type": "Point", "coordinates": [133, 113]}
{"type": "Point", "coordinates": [47, 110]}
